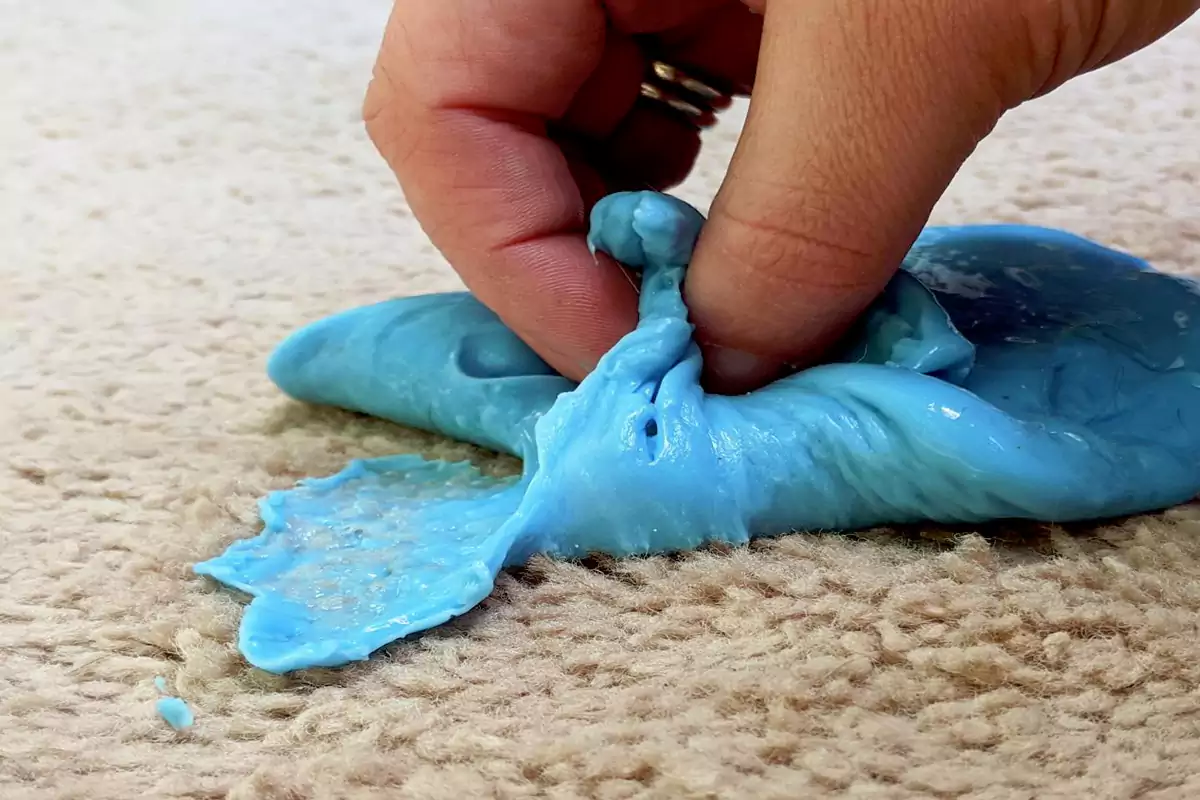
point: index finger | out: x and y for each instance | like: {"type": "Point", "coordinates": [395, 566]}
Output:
{"type": "Point", "coordinates": [458, 107]}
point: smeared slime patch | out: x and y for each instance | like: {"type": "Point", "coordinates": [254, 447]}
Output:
{"type": "Point", "coordinates": [1006, 372]}
{"type": "Point", "coordinates": [337, 555]}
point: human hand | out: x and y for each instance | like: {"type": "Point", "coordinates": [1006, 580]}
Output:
{"type": "Point", "coordinates": [504, 122]}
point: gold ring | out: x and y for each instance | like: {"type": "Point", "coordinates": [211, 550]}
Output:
{"type": "Point", "coordinates": [684, 93]}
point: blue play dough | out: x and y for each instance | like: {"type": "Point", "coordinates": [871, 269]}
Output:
{"type": "Point", "coordinates": [1007, 372]}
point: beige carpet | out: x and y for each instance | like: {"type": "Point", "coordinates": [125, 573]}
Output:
{"type": "Point", "coordinates": [185, 182]}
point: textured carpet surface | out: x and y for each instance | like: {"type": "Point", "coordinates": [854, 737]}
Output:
{"type": "Point", "coordinates": [185, 182]}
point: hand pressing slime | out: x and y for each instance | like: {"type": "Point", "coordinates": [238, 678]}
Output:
{"type": "Point", "coordinates": [1006, 372]}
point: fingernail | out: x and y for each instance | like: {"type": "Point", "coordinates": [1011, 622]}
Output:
{"type": "Point", "coordinates": [735, 371]}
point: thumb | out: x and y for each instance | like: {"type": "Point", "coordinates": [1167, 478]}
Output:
{"type": "Point", "coordinates": [862, 112]}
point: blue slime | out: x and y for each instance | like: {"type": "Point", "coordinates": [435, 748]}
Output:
{"type": "Point", "coordinates": [1006, 372]}
{"type": "Point", "coordinates": [174, 711]}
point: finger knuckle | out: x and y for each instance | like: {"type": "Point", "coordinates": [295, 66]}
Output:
{"type": "Point", "coordinates": [787, 251]}
{"type": "Point", "coordinates": [1061, 39]}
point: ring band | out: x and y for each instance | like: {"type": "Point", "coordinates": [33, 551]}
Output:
{"type": "Point", "coordinates": [684, 93]}
{"type": "Point", "coordinates": [672, 74]}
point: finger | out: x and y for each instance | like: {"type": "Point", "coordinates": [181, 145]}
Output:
{"type": "Point", "coordinates": [610, 92]}
{"type": "Point", "coordinates": [580, 163]}
{"type": "Point", "coordinates": [863, 110]}
{"type": "Point", "coordinates": [458, 108]}
{"type": "Point", "coordinates": [653, 16]}
{"type": "Point", "coordinates": [653, 148]}
{"type": "Point", "coordinates": [1070, 38]}
{"type": "Point", "coordinates": [722, 46]}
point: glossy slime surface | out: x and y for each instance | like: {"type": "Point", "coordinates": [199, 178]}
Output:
{"type": "Point", "coordinates": [1006, 372]}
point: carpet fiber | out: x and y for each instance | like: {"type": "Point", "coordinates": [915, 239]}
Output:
{"type": "Point", "coordinates": [186, 182]}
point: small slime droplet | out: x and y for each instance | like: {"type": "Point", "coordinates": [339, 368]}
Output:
{"type": "Point", "coordinates": [175, 712]}
{"type": "Point", "coordinates": [172, 709]}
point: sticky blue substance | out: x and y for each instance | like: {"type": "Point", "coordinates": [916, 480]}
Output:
{"type": "Point", "coordinates": [175, 712]}
{"type": "Point", "coordinates": [1006, 372]}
